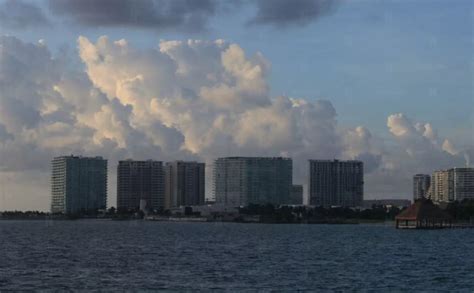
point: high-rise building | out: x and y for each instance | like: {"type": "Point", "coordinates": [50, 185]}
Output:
{"type": "Point", "coordinates": [441, 191]}
{"type": "Point", "coordinates": [240, 181]}
{"type": "Point", "coordinates": [140, 184]}
{"type": "Point", "coordinates": [296, 195]}
{"type": "Point", "coordinates": [78, 184]}
{"type": "Point", "coordinates": [336, 183]}
{"type": "Point", "coordinates": [184, 184]}
{"type": "Point", "coordinates": [421, 185]}
{"type": "Point", "coordinates": [463, 183]}
{"type": "Point", "coordinates": [453, 184]}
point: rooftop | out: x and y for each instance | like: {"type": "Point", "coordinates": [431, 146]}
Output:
{"type": "Point", "coordinates": [423, 209]}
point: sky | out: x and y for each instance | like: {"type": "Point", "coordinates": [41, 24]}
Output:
{"type": "Point", "coordinates": [386, 82]}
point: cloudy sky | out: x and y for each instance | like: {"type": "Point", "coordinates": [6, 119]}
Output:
{"type": "Point", "coordinates": [386, 82]}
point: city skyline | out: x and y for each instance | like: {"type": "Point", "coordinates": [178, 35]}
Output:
{"type": "Point", "coordinates": [79, 184]}
{"type": "Point", "coordinates": [388, 83]}
{"type": "Point", "coordinates": [154, 185]}
{"type": "Point", "coordinates": [237, 145]}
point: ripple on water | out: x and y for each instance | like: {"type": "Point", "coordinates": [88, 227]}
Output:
{"type": "Point", "coordinates": [109, 255]}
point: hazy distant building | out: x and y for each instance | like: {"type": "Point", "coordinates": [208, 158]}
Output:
{"type": "Point", "coordinates": [336, 183]}
{"type": "Point", "coordinates": [453, 184]}
{"type": "Point", "coordinates": [296, 195]}
{"type": "Point", "coordinates": [140, 184]}
{"type": "Point", "coordinates": [421, 185]}
{"type": "Point", "coordinates": [184, 184]}
{"type": "Point", "coordinates": [78, 184]}
{"type": "Point", "coordinates": [240, 181]}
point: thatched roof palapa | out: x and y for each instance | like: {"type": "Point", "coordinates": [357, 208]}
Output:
{"type": "Point", "coordinates": [423, 209]}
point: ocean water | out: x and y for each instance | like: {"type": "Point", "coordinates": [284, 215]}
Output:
{"type": "Point", "coordinates": [138, 255]}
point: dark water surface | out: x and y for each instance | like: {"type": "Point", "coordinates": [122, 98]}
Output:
{"type": "Point", "coordinates": [137, 255]}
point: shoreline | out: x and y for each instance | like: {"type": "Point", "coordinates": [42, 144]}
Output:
{"type": "Point", "coordinates": [205, 220]}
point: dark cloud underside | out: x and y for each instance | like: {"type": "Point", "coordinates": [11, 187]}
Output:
{"type": "Point", "coordinates": [18, 14]}
{"type": "Point", "coordinates": [282, 13]}
{"type": "Point", "coordinates": [177, 15]}
{"type": "Point", "coordinates": [157, 14]}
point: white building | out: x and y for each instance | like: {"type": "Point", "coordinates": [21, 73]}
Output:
{"type": "Point", "coordinates": [454, 184]}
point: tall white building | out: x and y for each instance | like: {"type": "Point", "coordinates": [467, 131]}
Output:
{"type": "Point", "coordinates": [421, 185]}
{"type": "Point", "coordinates": [440, 190]}
{"type": "Point", "coordinates": [454, 184]}
{"type": "Point", "coordinates": [336, 183]}
{"type": "Point", "coordinates": [240, 181]}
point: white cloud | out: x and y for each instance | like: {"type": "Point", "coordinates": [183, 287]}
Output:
{"type": "Point", "coordinates": [184, 100]}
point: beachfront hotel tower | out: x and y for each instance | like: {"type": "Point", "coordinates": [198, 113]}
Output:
{"type": "Point", "coordinates": [78, 184]}
{"type": "Point", "coordinates": [140, 184]}
{"type": "Point", "coordinates": [336, 183]}
{"type": "Point", "coordinates": [455, 184]}
{"type": "Point", "coordinates": [240, 181]}
{"type": "Point", "coordinates": [184, 184]}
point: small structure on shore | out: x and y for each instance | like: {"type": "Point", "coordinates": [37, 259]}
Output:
{"type": "Point", "coordinates": [423, 214]}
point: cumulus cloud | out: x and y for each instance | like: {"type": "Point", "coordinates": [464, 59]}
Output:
{"type": "Point", "coordinates": [360, 144]}
{"type": "Point", "coordinates": [184, 100]}
{"type": "Point", "coordinates": [419, 149]}
{"type": "Point", "coordinates": [19, 14]}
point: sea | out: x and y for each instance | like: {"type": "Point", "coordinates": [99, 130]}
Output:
{"type": "Point", "coordinates": [135, 256]}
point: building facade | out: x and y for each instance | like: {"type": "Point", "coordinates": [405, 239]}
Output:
{"type": "Point", "coordinates": [296, 195]}
{"type": "Point", "coordinates": [240, 181]}
{"type": "Point", "coordinates": [336, 183]}
{"type": "Point", "coordinates": [78, 184]}
{"type": "Point", "coordinates": [463, 183]}
{"type": "Point", "coordinates": [441, 186]}
{"type": "Point", "coordinates": [454, 184]}
{"type": "Point", "coordinates": [421, 185]}
{"type": "Point", "coordinates": [140, 185]}
{"type": "Point", "coordinates": [184, 184]}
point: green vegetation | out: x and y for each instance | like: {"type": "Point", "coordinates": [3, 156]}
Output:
{"type": "Point", "coordinates": [461, 211]}
{"type": "Point", "coordinates": [301, 214]}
